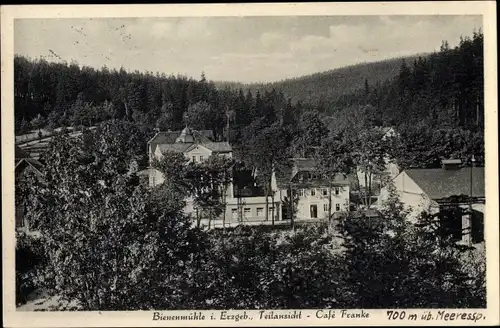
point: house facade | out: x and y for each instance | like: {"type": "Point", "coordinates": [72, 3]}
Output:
{"type": "Point", "coordinates": [442, 189]}
{"type": "Point", "coordinates": [314, 193]}
{"type": "Point", "coordinates": [245, 202]}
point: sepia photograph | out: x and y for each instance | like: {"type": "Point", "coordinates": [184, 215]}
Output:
{"type": "Point", "coordinates": [274, 163]}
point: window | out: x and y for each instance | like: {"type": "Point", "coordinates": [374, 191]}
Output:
{"type": "Point", "coordinates": [234, 213]}
{"type": "Point", "coordinates": [201, 158]}
{"type": "Point", "coordinates": [337, 207]}
{"type": "Point", "coordinates": [313, 192]}
{"type": "Point", "coordinates": [325, 192]}
{"type": "Point", "coordinates": [247, 211]}
{"type": "Point", "coordinates": [301, 192]}
{"type": "Point", "coordinates": [325, 207]}
{"type": "Point", "coordinates": [477, 227]}
{"type": "Point", "coordinates": [337, 190]}
{"type": "Point", "coordinates": [314, 211]}
{"type": "Point", "coordinates": [451, 222]}
{"type": "Point", "coordinates": [194, 158]}
{"type": "Point", "coordinates": [19, 218]}
{"type": "Point", "coordinates": [260, 211]}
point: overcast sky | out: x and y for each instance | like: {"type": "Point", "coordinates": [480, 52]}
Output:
{"type": "Point", "coordinates": [244, 49]}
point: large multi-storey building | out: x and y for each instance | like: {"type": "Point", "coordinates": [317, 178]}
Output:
{"type": "Point", "coordinates": [312, 191]}
{"type": "Point", "coordinates": [245, 201]}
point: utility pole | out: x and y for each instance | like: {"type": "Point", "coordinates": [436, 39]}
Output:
{"type": "Point", "coordinates": [469, 239]}
{"type": "Point", "coordinates": [228, 118]}
{"type": "Point", "coordinates": [291, 207]}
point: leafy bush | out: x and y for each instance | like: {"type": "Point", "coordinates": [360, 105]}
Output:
{"type": "Point", "coordinates": [29, 257]}
{"type": "Point", "coordinates": [390, 263]}
{"type": "Point", "coordinates": [252, 268]}
{"type": "Point", "coordinates": [108, 246]}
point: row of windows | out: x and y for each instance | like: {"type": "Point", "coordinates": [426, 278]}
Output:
{"type": "Point", "coordinates": [312, 176]}
{"type": "Point", "coordinates": [313, 209]}
{"type": "Point", "coordinates": [260, 211]}
{"type": "Point", "coordinates": [247, 211]}
{"type": "Point", "coordinates": [194, 158]}
{"type": "Point", "coordinates": [325, 207]}
{"type": "Point", "coordinates": [323, 191]}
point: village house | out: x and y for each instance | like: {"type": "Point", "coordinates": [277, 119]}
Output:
{"type": "Point", "coordinates": [442, 190]}
{"type": "Point", "coordinates": [312, 190]}
{"type": "Point", "coordinates": [245, 201]}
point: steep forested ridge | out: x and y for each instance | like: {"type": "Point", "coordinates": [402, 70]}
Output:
{"type": "Point", "coordinates": [445, 88]}
{"type": "Point", "coordinates": [327, 86]}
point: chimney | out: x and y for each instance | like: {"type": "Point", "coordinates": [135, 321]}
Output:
{"type": "Point", "coordinates": [451, 164]}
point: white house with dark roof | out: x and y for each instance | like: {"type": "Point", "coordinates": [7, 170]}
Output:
{"type": "Point", "coordinates": [435, 190]}
{"type": "Point", "coordinates": [196, 145]}
{"type": "Point", "coordinates": [313, 190]}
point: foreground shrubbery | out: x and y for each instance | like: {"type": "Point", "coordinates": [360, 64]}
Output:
{"type": "Point", "coordinates": [29, 258]}
{"type": "Point", "coordinates": [110, 244]}
{"type": "Point", "coordinates": [249, 268]}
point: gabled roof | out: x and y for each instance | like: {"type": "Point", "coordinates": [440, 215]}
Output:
{"type": "Point", "coordinates": [23, 163]}
{"type": "Point", "coordinates": [441, 183]}
{"type": "Point", "coordinates": [164, 137]}
{"type": "Point", "coordinates": [203, 136]}
{"type": "Point", "coordinates": [177, 147]}
{"type": "Point", "coordinates": [185, 136]}
{"type": "Point", "coordinates": [169, 137]}
{"type": "Point", "coordinates": [218, 147]}
{"type": "Point", "coordinates": [286, 174]}
{"type": "Point", "coordinates": [23, 159]}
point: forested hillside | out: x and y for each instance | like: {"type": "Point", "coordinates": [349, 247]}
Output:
{"type": "Point", "coordinates": [327, 86]}
{"type": "Point", "coordinates": [445, 89]}
{"type": "Point", "coordinates": [435, 100]}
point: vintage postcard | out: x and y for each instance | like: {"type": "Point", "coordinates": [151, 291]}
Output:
{"type": "Point", "coordinates": [292, 164]}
